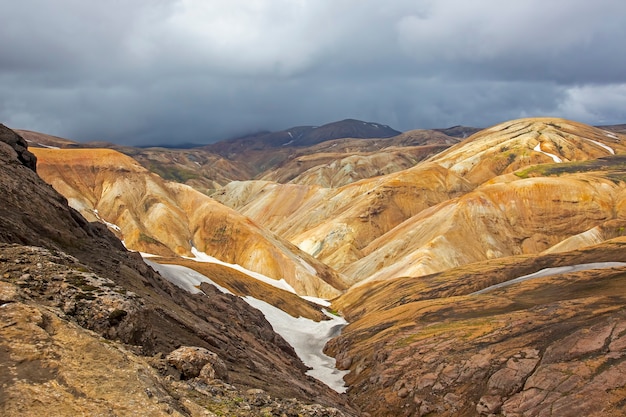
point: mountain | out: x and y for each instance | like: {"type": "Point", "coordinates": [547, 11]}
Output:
{"type": "Point", "coordinates": [155, 216]}
{"type": "Point", "coordinates": [476, 200]}
{"type": "Point", "coordinates": [305, 136]}
{"type": "Point", "coordinates": [478, 277]}
{"type": "Point", "coordinates": [333, 162]}
{"type": "Point", "coordinates": [198, 168]}
{"type": "Point", "coordinates": [89, 328]}
{"type": "Point", "coordinates": [340, 162]}
{"type": "Point", "coordinates": [264, 151]}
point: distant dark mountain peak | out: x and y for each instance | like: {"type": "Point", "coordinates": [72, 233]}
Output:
{"type": "Point", "coordinates": [459, 131]}
{"type": "Point", "coordinates": [348, 128]}
{"type": "Point", "coordinates": [300, 136]}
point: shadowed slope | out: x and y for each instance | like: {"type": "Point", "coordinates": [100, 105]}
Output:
{"type": "Point", "coordinates": [547, 346]}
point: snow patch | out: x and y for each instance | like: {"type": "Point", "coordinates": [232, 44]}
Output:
{"type": "Point", "coordinates": [308, 338]}
{"type": "Point", "coordinates": [611, 134]}
{"type": "Point", "coordinates": [183, 277]}
{"type": "Point", "coordinates": [554, 157]}
{"type": "Point", "coordinates": [48, 146]}
{"type": "Point", "coordinates": [108, 224]}
{"type": "Point", "coordinates": [203, 257]}
{"type": "Point", "coordinates": [608, 148]}
{"type": "Point", "coordinates": [552, 271]}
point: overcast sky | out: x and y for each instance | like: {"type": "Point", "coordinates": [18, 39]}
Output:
{"type": "Point", "coordinates": [168, 71]}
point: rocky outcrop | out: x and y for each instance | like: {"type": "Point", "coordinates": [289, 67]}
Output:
{"type": "Point", "coordinates": [50, 363]}
{"type": "Point", "coordinates": [549, 346]}
{"type": "Point", "coordinates": [19, 146]}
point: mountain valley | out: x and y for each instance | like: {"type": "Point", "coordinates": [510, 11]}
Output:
{"type": "Point", "coordinates": [414, 238]}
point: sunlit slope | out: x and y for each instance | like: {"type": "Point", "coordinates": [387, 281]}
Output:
{"type": "Point", "coordinates": [511, 145]}
{"type": "Point", "coordinates": [510, 217]}
{"type": "Point", "coordinates": [334, 225]}
{"type": "Point", "coordinates": [461, 205]}
{"type": "Point", "coordinates": [334, 169]}
{"type": "Point", "coordinates": [168, 218]}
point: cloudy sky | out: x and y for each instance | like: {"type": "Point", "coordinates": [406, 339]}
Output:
{"type": "Point", "coordinates": [168, 71]}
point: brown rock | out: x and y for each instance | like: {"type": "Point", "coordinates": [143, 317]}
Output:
{"type": "Point", "coordinates": [8, 292]}
{"type": "Point", "coordinates": [512, 377]}
{"type": "Point", "coordinates": [489, 404]}
{"type": "Point", "coordinates": [192, 361]}
{"type": "Point", "coordinates": [215, 369]}
{"type": "Point", "coordinates": [19, 146]}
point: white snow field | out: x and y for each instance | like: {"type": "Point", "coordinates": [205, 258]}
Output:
{"type": "Point", "coordinates": [306, 336]}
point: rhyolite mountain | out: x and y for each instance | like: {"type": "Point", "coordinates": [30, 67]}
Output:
{"type": "Point", "coordinates": [87, 328]}
{"type": "Point", "coordinates": [418, 248]}
{"type": "Point", "coordinates": [167, 218]}
{"type": "Point", "coordinates": [489, 196]}
{"type": "Point", "coordinates": [278, 155]}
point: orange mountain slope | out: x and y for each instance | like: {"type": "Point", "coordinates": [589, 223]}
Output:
{"type": "Point", "coordinates": [167, 218]}
{"type": "Point", "coordinates": [460, 206]}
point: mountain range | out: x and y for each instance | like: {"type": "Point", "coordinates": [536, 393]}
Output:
{"type": "Point", "coordinates": [480, 271]}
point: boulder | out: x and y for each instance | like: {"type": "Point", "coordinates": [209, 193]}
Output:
{"type": "Point", "coordinates": [195, 362]}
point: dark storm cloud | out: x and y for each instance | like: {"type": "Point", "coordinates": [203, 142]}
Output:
{"type": "Point", "coordinates": [166, 71]}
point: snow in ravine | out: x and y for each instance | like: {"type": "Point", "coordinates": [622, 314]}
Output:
{"type": "Point", "coordinates": [306, 336]}
{"type": "Point", "coordinates": [203, 257]}
{"type": "Point", "coordinates": [552, 271]}
{"type": "Point", "coordinates": [602, 145]}
{"type": "Point", "coordinates": [183, 277]}
{"type": "Point", "coordinates": [554, 157]}
{"type": "Point", "coordinates": [109, 224]}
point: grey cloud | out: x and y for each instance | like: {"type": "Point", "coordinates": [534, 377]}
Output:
{"type": "Point", "coordinates": [198, 71]}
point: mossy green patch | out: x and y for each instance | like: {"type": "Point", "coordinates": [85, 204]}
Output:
{"type": "Point", "coordinates": [611, 167]}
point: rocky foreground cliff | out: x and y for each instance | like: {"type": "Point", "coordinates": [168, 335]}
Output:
{"type": "Point", "coordinates": [87, 328]}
